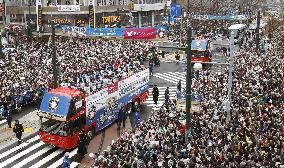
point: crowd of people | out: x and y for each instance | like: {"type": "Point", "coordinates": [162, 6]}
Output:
{"type": "Point", "coordinates": [251, 137]}
{"type": "Point", "coordinates": [215, 29]}
{"type": "Point", "coordinates": [83, 63]}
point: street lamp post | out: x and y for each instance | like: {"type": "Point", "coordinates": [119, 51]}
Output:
{"type": "Point", "coordinates": [29, 24]}
{"type": "Point", "coordinates": [118, 19]}
{"type": "Point", "coordinates": [257, 30]}
{"type": "Point", "coordinates": [40, 36]}
{"type": "Point", "coordinates": [188, 85]}
{"type": "Point", "coordinates": [54, 58]}
{"type": "Point", "coordinates": [230, 80]}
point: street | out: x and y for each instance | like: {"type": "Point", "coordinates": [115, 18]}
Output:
{"type": "Point", "coordinates": [33, 153]}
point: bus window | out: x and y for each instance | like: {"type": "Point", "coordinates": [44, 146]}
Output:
{"type": "Point", "coordinates": [76, 124]}
{"type": "Point", "coordinates": [76, 106]}
{"type": "Point", "coordinates": [55, 127]}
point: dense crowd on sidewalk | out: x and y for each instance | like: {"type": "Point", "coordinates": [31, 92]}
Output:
{"type": "Point", "coordinates": [83, 63]}
{"type": "Point", "coordinates": [214, 29]}
{"type": "Point", "coordinates": [251, 137]}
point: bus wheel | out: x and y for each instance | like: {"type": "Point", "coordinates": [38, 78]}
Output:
{"type": "Point", "coordinates": [90, 133]}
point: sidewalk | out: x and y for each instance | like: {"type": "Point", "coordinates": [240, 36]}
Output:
{"type": "Point", "coordinates": [31, 124]}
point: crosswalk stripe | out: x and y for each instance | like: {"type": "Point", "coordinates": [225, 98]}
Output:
{"type": "Point", "coordinates": [47, 158]}
{"type": "Point", "coordinates": [181, 75]}
{"type": "Point", "coordinates": [19, 147]}
{"type": "Point", "coordinates": [74, 164]}
{"type": "Point", "coordinates": [162, 95]}
{"type": "Point", "coordinates": [167, 78]}
{"type": "Point", "coordinates": [32, 157]}
{"type": "Point", "coordinates": [161, 98]}
{"type": "Point", "coordinates": [3, 121]}
{"type": "Point", "coordinates": [59, 162]}
{"type": "Point", "coordinates": [21, 154]}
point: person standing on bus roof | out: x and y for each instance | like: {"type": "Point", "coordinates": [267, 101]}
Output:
{"type": "Point", "coordinates": [66, 161]}
{"type": "Point", "coordinates": [18, 130]}
{"type": "Point", "coordinates": [82, 144]}
{"type": "Point", "coordinates": [155, 94]}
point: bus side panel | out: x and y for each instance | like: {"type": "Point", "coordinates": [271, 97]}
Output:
{"type": "Point", "coordinates": [109, 114]}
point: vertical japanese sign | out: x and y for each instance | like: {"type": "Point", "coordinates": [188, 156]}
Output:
{"type": "Point", "coordinates": [91, 14]}
{"type": "Point", "coordinates": [3, 11]}
{"type": "Point", "coordinates": [39, 15]}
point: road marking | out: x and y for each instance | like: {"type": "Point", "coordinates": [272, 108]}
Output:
{"type": "Point", "coordinates": [47, 158]}
{"type": "Point", "coordinates": [59, 162]}
{"type": "Point", "coordinates": [32, 157]}
{"type": "Point", "coordinates": [18, 155]}
{"type": "Point", "coordinates": [19, 147]}
{"type": "Point", "coordinates": [3, 121]}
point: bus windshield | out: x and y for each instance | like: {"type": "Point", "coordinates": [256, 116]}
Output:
{"type": "Point", "coordinates": [55, 127]}
{"type": "Point", "coordinates": [199, 54]}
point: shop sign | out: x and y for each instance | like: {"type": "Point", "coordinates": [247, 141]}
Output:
{"type": "Point", "coordinates": [67, 19]}
{"type": "Point", "coordinates": [110, 19]}
{"type": "Point", "coordinates": [39, 16]}
{"type": "Point", "coordinates": [68, 8]}
{"type": "Point", "coordinates": [91, 16]}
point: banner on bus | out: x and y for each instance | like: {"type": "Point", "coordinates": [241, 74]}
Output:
{"type": "Point", "coordinates": [142, 33]}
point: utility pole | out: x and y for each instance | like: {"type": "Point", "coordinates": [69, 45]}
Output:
{"type": "Point", "coordinates": [257, 30]}
{"type": "Point", "coordinates": [1, 47]}
{"type": "Point", "coordinates": [29, 25]}
{"type": "Point", "coordinates": [188, 7]}
{"type": "Point", "coordinates": [230, 80]}
{"type": "Point", "coordinates": [188, 85]}
{"type": "Point", "coordinates": [4, 13]}
{"type": "Point", "coordinates": [118, 18]}
{"type": "Point", "coordinates": [54, 58]}
{"type": "Point", "coordinates": [181, 26]}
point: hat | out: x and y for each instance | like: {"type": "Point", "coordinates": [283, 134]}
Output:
{"type": "Point", "coordinates": [66, 154]}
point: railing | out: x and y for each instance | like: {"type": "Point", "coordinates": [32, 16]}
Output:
{"type": "Point", "coordinates": [85, 2]}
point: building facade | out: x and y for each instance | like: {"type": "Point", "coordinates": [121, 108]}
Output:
{"type": "Point", "coordinates": [86, 13]}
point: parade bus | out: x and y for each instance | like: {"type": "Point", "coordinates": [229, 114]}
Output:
{"type": "Point", "coordinates": [200, 50]}
{"type": "Point", "coordinates": [65, 111]}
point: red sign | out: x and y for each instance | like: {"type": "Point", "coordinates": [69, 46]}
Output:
{"type": "Point", "coordinates": [112, 88]}
{"type": "Point", "coordinates": [140, 33]}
